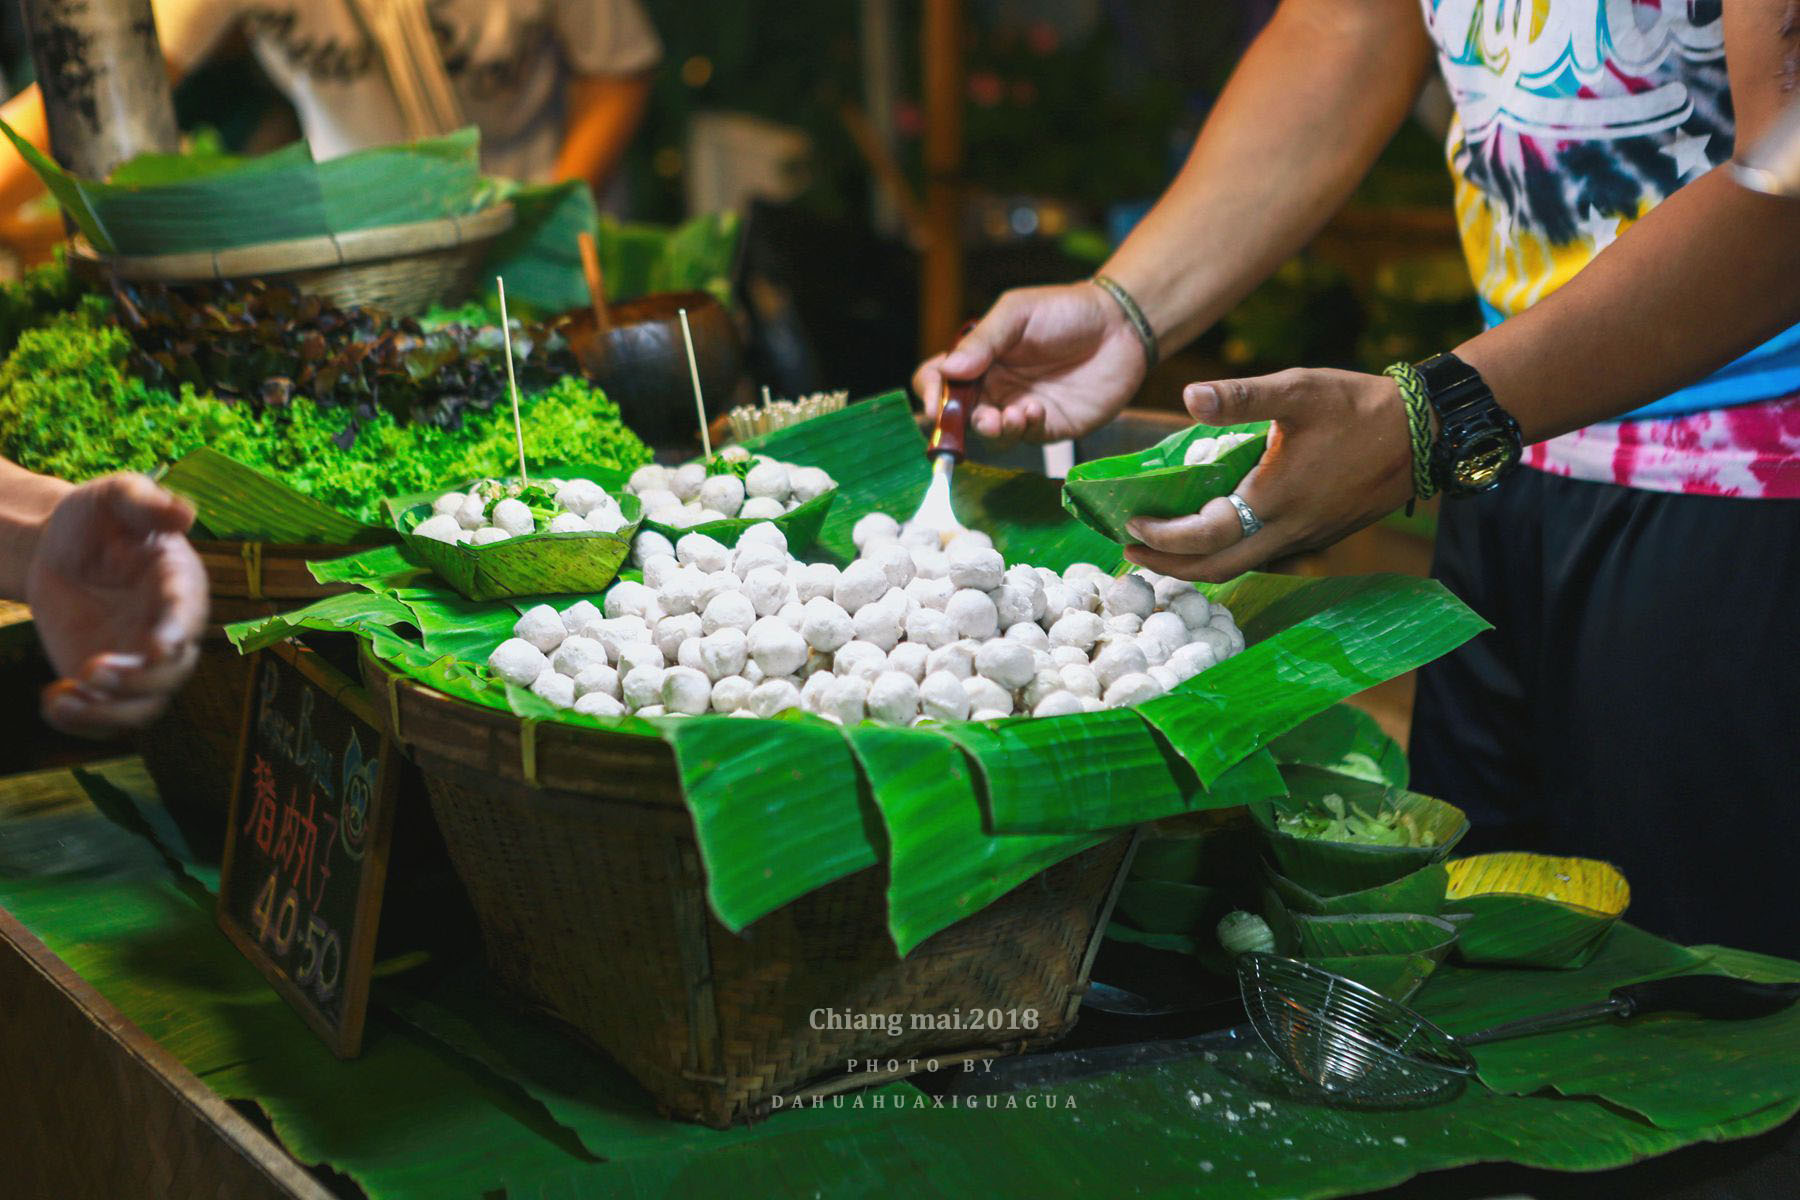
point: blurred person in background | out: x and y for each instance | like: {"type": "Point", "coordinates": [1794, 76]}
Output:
{"type": "Point", "coordinates": [557, 87]}
{"type": "Point", "coordinates": [1638, 699]}
{"type": "Point", "coordinates": [116, 592]}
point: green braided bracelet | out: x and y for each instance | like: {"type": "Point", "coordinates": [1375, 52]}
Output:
{"type": "Point", "coordinates": [1418, 427]}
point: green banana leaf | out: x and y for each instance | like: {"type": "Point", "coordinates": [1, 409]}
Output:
{"type": "Point", "coordinates": [237, 502]}
{"type": "Point", "coordinates": [800, 525]}
{"type": "Point", "coordinates": [376, 569]}
{"type": "Point", "coordinates": [942, 865]}
{"type": "Point", "coordinates": [1420, 892]}
{"type": "Point", "coordinates": [362, 613]}
{"type": "Point", "coordinates": [1392, 953]}
{"type": "Point", "coordinates": [700, 256]}
{"type": "Point", "coordinates": [1156, 906]}
{"type": "Point", "coordinates": [1106, 493]}
{"type": "Point", "coordinates": [540, 256]}
{"type": "Point", "coordinates": [214, 203]}
{"type": "Point", "coordinates": [1333, 868]}
{"type": "Point", "coordinates": [1221, 856]}
{"type": "Point", "coordinates": [1534, 910]}
{"type": "Point", "coordinates": [533, 565]}
{"type": "Point", "coordinates": [1347, 740]}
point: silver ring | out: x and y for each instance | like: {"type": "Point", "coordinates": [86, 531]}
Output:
{"type": "Point", "coordinates": [1248, 521]}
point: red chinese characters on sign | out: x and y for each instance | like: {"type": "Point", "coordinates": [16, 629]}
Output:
{"type": "Point", "coordinates": [297, 847]}
{"type": "Point", "coordinates": [262, 805]}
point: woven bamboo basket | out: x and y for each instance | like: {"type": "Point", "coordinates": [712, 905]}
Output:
{"type": "Point", "coordinates": [191, 750]}
{"type": "Point", "coordinates": [580, 860]}
{"type": "Point", "coordinates": [401, 269]}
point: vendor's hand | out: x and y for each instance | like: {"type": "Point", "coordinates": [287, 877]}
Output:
{"type": "Point", "coordinates": [119, 599]}
{"type": "Point", "coordinates": [1054, 363]}
{"type": "Point", "coordinates": [1338, 459]}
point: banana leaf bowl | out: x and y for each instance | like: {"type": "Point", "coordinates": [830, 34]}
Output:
{"type": "Point", "coordinates": [1534, 910]}
{"type": "Point", "coordinates": [1105, 493]}
{"type": "Point", "coordinates": [1393, 953]}
{"type": "Point", "coordinates": [1332, 868]}
{"type": "Point", "coordinates": [1421, 891]}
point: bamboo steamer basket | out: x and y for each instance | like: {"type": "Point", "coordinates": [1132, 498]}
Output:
{"type": "Point", "coordinates": [191, 750]}
{"type": "Point", "coordinates": [579, 857]}
{"type": "Point", "coordinates": [401, 269]}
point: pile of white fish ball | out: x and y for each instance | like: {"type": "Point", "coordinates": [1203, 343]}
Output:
{"type": "Point", "coordinates": [689, 495]}
{"type": "Point", "coordinates": [914, 629]}
{"type": "Point", "coordinates": [1202, 451]}
{"type": "Point", "coordinates": [491, 511]}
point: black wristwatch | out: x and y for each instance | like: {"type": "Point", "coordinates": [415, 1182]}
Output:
{"type": "Point", "coordinates": [1478, 442]}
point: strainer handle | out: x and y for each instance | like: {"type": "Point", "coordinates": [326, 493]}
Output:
{"type": "Point", "coordinates": [1581, 1014]}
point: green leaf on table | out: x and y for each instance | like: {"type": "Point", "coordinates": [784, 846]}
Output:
{"type": "Point", "coordinates": [237, 502]}
{"type": "Point", "coordinates": [1346, 740]}
{"type": "Point", "coordinates": [361, 613]}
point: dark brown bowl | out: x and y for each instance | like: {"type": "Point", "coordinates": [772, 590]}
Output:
{"type": "Point", "coordinates": [642, 365]}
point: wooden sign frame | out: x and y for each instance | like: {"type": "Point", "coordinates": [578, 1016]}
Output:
{"type": "Point", "coordinates": [358, 953]}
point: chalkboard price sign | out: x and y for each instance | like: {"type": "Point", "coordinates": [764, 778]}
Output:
{"type": "Point", "coordinates": [307, 845]}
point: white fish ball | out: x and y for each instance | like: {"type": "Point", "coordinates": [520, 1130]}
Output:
{"type": "Point", "coordinates": [448, 503]}
{"type": "Point", "coordinates": [671, 631]}
{"type": "Point", "coordinates": [649, 545]}
{"type": "Point", "coordinates": [1013, 604]}
{"type": "Point", "coordinates": [893, 698]}
{"type": "Point", "coordinates": [640, 654]}
{"type": "Point", "coordinates": [957, 659]}
{"type": "Point", "coordinates": [1083, 594]}
{"type": "Point", "coordinates": [792, 613]}
{"type": "Point", "coordinates": [686, 691]}
{"type": "Point", "coordinates": [1076, 627]}
{"type": "Point", "coordinates": [879, 624]}
{"type": "Point", "coordinates": [1058, 599]}
{"type": "Point", "coordinates": [768, 589]}
{"type": "Point", "coordinates": [972, 614]}
{"type": "Point", "coordinates": [777, 648]}
{"type": "Point", "coordinates": [1030, 633]}
{"type": "Point", "coordinates": [768, 479]}
{"type": "Point", "coordinates": [894, 560]}
{"type": "Point", "coordinates": [1062, 656]}
{"type": "Point", "coordinates": [748, 557]}
{"type": "Point", "coordinates": [1080, 679]}
{"type": "Point", "coordinates": [968, 538]}
{"type": "Point", "coordinates": [1191, 659]}
{"type": "Point", "coordinates": [680, 590]}
{"type": "Point", "coordinates": [847, 698]}
{"type": "Point", "coordinates": [599, 704]}
{"type": "Point", "coordinates": [729, 609]}
{"type": "Point", "coordinates": [555, 687]}
{"type": "Point", "coordinates": [765, 533]}
{"type": "Point", "coordinates": [929, 562]}
{"type": "Point", "coordinates": [1154, 650]}
{"type": "Point", "coordinates": [860, 583]}
{"type": "Point", "coordinates": [753, 673]}
{"type": "Point", "coordinates": [652, 710]}
{"type": "Point", "coordinates": [929, 628]}
{"type": "Point", "coordinates": [977, 567]}
{"type": "Point", "coordinates": [514, 517]}
{"type": "Point", "coordinates": [813, 580]}
{"type": "Point", "coordinates": [874, 527]}
{"type": "Point", "coordinates": [773, 696]}
{"type": "Point", "coordinates": [813, 691]}
{"type": "Point", "coordinates": [1042, 684]}
{"type": "Point", "coordinates": [761, 508]}
{"type": "Point", "coordinates": [518, 662]}
{"type": "Point", "coordinates": [579, 496]}
{"type": "Point", "coordinates": [825, 625]}
{"type": "Point", "coordinates": [650, 475]}
{"type": "Point", "coordinates": [597, 678]}
{"type": "Point", "coordinates": [931, 592]}
{"type": "Point", "coordinates": [442, 527]}
{"type": "Point", "coordinates": [942, 698]}
{"type": "Point", "coordinates": [1129, 594]}
{"type": "Point", "coordinates": [688, 655]}
{"type": "Point", "coordinates": [687, 480]}
{"type": "Point", "coordinates": [472, 513]}
{"type": "Point", "coordinates": [1221, 620]}
{"type": "Point", "coordinates": [908, 658]}
{"type": "Point", "coordinates": [1084, 570]}
{"type": "Point", "coordinates": [1119, 659]}
{"type": "Point", "coordinates": [542, 626]}
{"type": "Point", "coordinates": [628, 599]}
{"type": "Point", "coordinates": [1165, 678]}
{"type": "Point", "coordinates": [722, 493]}
{"type": "Point", "coordinates": [1058, 704]}
{"type": "Point", "coordinates": [1166, 628]}
{"type": "Point", "coordinates": [607, 520]}
{"type": "Point", "coordinates": [701, 550]}
{"type": "Point", "coordinates": [730, 694]}
{"type": "Point", "coordinates": [1127, 623]}
{"type": "Point", "coordinates": [987, 696]}
{"type": "Point", "coordinates": [724, 652]}
{"type": "Point", "coordinates": [1133, 687]}
{"type": "Point", "coordinates": [1008, 663]}
{"type": "Point", "coordinates": [617, 633]}
{"type": "Point", "coordinates": [859, 658]}
{"type": "Point", "coordinates": [1193, 608]}
{"type": "Point", "coordinates": [809, 483]}
{"type": "Point", "coordinates": [641, 686]}
{"type": "Point", "coordinates": [577, 654]}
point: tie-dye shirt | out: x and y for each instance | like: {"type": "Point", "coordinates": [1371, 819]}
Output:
{"type": "Point", "coordinates": [1574, 118]}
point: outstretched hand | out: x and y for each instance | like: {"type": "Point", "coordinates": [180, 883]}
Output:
{"type": "Point", "coordinates": [119, 599]}
{"type": "Point", "coordinates": [1054, 363]}
{"type": "Point", "coordinates": [1338, 459]}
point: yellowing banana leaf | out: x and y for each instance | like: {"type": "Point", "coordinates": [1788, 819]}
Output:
{"type": "Point", "coordinates": [1346, 740]}
{"type": "Point", "coordinates": [1534, 910]}
{"type": "Point", "coordinates": [1420, 892]}
{"type": "Point", "coordinates": [241, 503]}
{"type": "Point", "coordinates": [1335, 867]}
{"type": "Point", "coordinates": [775, 816]}
{"type": "Point", "coordinates": [942, 865]}
{"type": "Point", "coordinates": [1106, 493]}
{"type": "Point", "coordinates": [531, 565]}
{"type": "Point", "coordinates": [800, 525]}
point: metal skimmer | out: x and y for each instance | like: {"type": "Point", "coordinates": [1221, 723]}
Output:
{"type": "Point", "coordinates": [1356, 1046]}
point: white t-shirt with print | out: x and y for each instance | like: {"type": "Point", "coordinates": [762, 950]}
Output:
{"type": "Point", "coordinates": [509, 62]}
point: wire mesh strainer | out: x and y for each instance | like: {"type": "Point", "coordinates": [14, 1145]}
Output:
{"type": "Point", "coordinates": [1355, 1045]}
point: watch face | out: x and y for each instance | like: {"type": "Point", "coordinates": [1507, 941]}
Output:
{"type": "Point", "coordinates": [1484, 460]}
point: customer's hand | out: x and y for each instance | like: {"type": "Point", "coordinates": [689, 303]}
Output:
{"type": "Point", "coordinates": [119, 599]}
{"type": "Point", "coordinates": [1338, 459]}
{"type": "Point", "coordinates": [1054, 363]}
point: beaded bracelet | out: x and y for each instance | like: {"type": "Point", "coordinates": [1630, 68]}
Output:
{"type": "Point", "coordinates": [1418, 428]}
{"type": "Point", "coordinates": [1134, 316]}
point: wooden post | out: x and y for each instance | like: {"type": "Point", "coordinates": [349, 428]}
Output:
{"type": "Point", "coordinates": [106, 89]}
{"type": "Point", "coordinates": [941, 277]}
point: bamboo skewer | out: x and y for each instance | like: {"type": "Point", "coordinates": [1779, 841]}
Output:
{"type": "Point", "coordinates": [512, 384]}
{"type": "Point", "coordinates": [687, 337]}
{"type": "Point", "coordinates": [596, 285]}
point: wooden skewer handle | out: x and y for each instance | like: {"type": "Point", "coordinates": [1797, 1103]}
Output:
{"type": "Point", "coordinates": [951, 434]}
{"type": "Point", "coordinates": [596, 285]}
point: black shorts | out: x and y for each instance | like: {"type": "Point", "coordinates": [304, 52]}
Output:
{"type": "Point", "coordinates": [1638, 699]}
